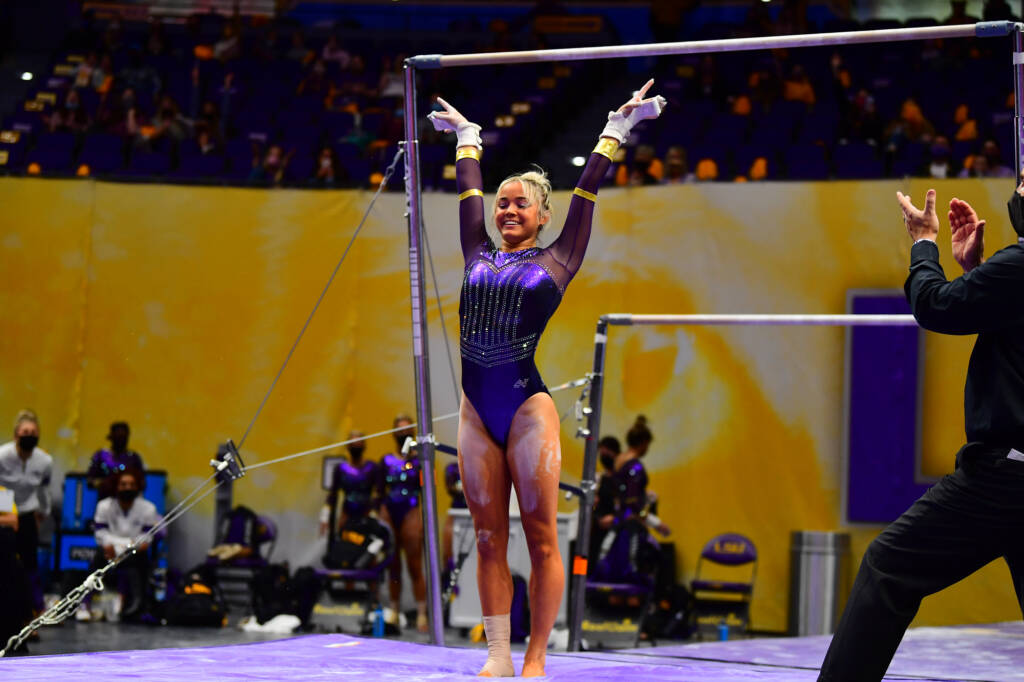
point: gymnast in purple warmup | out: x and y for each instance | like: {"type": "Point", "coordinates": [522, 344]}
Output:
{"type": "Point", "coordinates": [358, 479]}
{"type": "Point", "coordinates": [508, 426]}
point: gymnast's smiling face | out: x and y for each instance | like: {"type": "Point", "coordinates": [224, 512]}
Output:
{"type": "Point", "coordinates": [517, 216]}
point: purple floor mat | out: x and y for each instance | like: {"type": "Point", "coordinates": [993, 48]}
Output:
{"type": "Point", "coordinates": [938, 654]}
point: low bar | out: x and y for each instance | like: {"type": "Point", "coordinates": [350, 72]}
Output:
{"type": "Point", "coordinates": [625, 319]}
{"type": "Point", "coordinates": [985, 29]}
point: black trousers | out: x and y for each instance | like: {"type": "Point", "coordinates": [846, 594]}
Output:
{"type": "Point", "coordinates": [966, 520]}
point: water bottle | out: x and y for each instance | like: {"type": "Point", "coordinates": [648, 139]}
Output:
{"type": "Point", "coordinates": [723, 631]}
{"type": "Point", "coordinates": [378, 621]}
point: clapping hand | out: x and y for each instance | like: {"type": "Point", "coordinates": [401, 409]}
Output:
{"type": "Point", "coordinates": [968, 234]}
{"type": "Point", "coordinates": [921, 224]}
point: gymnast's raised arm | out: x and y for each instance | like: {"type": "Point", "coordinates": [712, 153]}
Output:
{"type": "Point", "coordinates": [468, 180]}
{"type": "Point", "coordinates": [571, 245]}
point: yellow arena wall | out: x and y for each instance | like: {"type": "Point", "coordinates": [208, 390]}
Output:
{"type": "Point", "coordinates": [172, 308]}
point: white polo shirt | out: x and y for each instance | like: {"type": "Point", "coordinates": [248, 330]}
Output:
{"type": "Point", "coordinates": [117, 528]}
{"type": "Point", "coordinates": [29, 479]}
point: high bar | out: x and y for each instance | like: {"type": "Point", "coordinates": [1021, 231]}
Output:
{"type": "Point", "coordinates": [764, 320]}
{"type": "Point", "coordinates": [983, 29]}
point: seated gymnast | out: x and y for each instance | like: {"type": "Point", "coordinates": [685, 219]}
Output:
{"type": "Point", "coordinates": [975, 514]}
{"type": "Point", "coordinates": [508, 425]}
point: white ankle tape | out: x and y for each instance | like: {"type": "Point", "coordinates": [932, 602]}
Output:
{"type": "Point", "coordinates": [499, 651]}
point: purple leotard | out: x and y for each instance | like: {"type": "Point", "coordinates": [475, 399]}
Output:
{"type": "Point", "coordinates": [108, 465]}
{"type": "Point", "coordinates": [360, 484]}
{"type": "Point", "coordinates": [508, 298]}
{"type": "Point", "coordinates": [400, 486]}
{"type": "Point", "coordinates": [630, 486]}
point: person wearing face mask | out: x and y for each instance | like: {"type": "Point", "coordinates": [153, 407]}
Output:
{"type": "Point", "coordinates": [508, 425]}
{"type": "Point", "coordinates": [975, 514]}
{"type": "Point", "coordinates": [358, 479]}
{"type": "Point", "coordinates": [400, 490]}
{"type": "Point", "coordinates": [26, 469]}
{"type": "Point", "coordinates": [608, 448]}
{"type": "Point", "coordinates": [107, 464]}
{"type": "Point", "coordinates": [119, 521]}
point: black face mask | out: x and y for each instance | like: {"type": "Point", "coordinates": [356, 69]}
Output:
{"type": "Point", "coordinates": [28, 443]}
{"type": "Point", "coordinates": [119, 443]}
{"type": "Point", "coordinates": [1016, 207]}
{"type": "Point", "coordinates": [356, 452]}
{"type": "Point", "coordinates": [127, 495]}
{"type": "Point", "coordinates": [607, 461]}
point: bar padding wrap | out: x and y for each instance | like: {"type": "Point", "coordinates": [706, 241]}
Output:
{"type": "Point", "coordinates": [993, 29]}
{"type": "Point", "coordinates": [426, 61]}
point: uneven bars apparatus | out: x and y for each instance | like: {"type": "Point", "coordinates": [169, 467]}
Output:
{"type": "Point", "coordinates": [988, 29]}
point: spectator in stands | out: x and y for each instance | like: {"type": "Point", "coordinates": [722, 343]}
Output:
{"type": "Point", "coordinates": [83, 74]}
{"type": "Point", "coordinates": [646, 168]}
{"type": "Point", "coordinates": [959, 14]}
{"type": "Point", "coordinates": [107, 464]}
{"type": "Point", "coordinates": [139, 75]}
{"type": "Point", "coordinates": [209, 122]}
{"type": "Point", "coordinates": [156, 40]}
{"type": "Point", "coordinates": [994, 161]}
{"type": "Point", "coordinates": [315, 81]}
{"type": "Point", "coordinates": [392, 78]}
{"type": "Point", "coordinates": [967, 125]}
{"type": "Point", "coordinates": [229, 46]}
{"type": "Point", "coordinates": [298, 52]}
{"type": "Point", "coordinates": [15, 605]}
{"type": "Point", "coordinates": [26, 469]}
{"type": "Point", "coordinates": [121, 521]}
{"type": "Point", "coordinates": [987, 163]}
{"type": "Point", "coordinates": [206, 143]}
{"type": "Point", "coordinates": [328, 173]}
{"type": "Point", "coordinates": [103, 76]}
{"type": "Point", "coordinates": [70, 116]}
{"type": "Point", "coordinates": [860, 121]}
{"type": "Point", "coordinates": [169, 122]}
{"type": "Point", "coordinates": [271, 170]}
{"type": "Point", "coordinates": [940, 165]}
{"type": "Point", "coordinates": [997, 10]}
{"type": "Point", "coordinates": [334, 52]}
{"type": "Point", "coordinates": [676, 169]}
{"type": "Point", "coordinates": [122, 116]}
{"type": "Point", "coordinates": [911, 126]}
{"type": "Point", "coordinates": [798, 87]}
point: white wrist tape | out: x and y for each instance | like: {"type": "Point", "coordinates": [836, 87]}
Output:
{"type": "Point", "coordinates": [469, 135]}
{"type": "Point", "coordinates": [325, 514]}
{"type": "Point", "coordinates": [618, 126]}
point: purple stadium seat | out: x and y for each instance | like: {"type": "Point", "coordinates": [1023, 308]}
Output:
{"type": "Point", "coordinates": [53, 152]}
{"type": "Point", "coordinates": [202, 166]}
{"type": "Point", "coordinates": [149, 163]}
{"type": "Point", "coordinates": [11, 156]}
{"type": "Point", "coordinates": [857, 160]}
{"type": "Point", "coordinates": [806, 162]}
{"type": "Point", "coordinates": [102, 153]}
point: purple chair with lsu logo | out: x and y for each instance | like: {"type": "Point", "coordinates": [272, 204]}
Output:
{"type": "Point", "coordinates": [723, 585]}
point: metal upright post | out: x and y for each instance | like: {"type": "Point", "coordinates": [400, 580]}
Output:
{"type": "Point", "coordinates": [1018, 94]}
{"type": "Point", "coordinates": [421, 358]}
{"type": "Point", "coordinates": [578, 584]}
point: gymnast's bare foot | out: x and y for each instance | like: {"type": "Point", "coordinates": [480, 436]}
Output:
{"type": "Point", "coordinates": [533, 668]}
